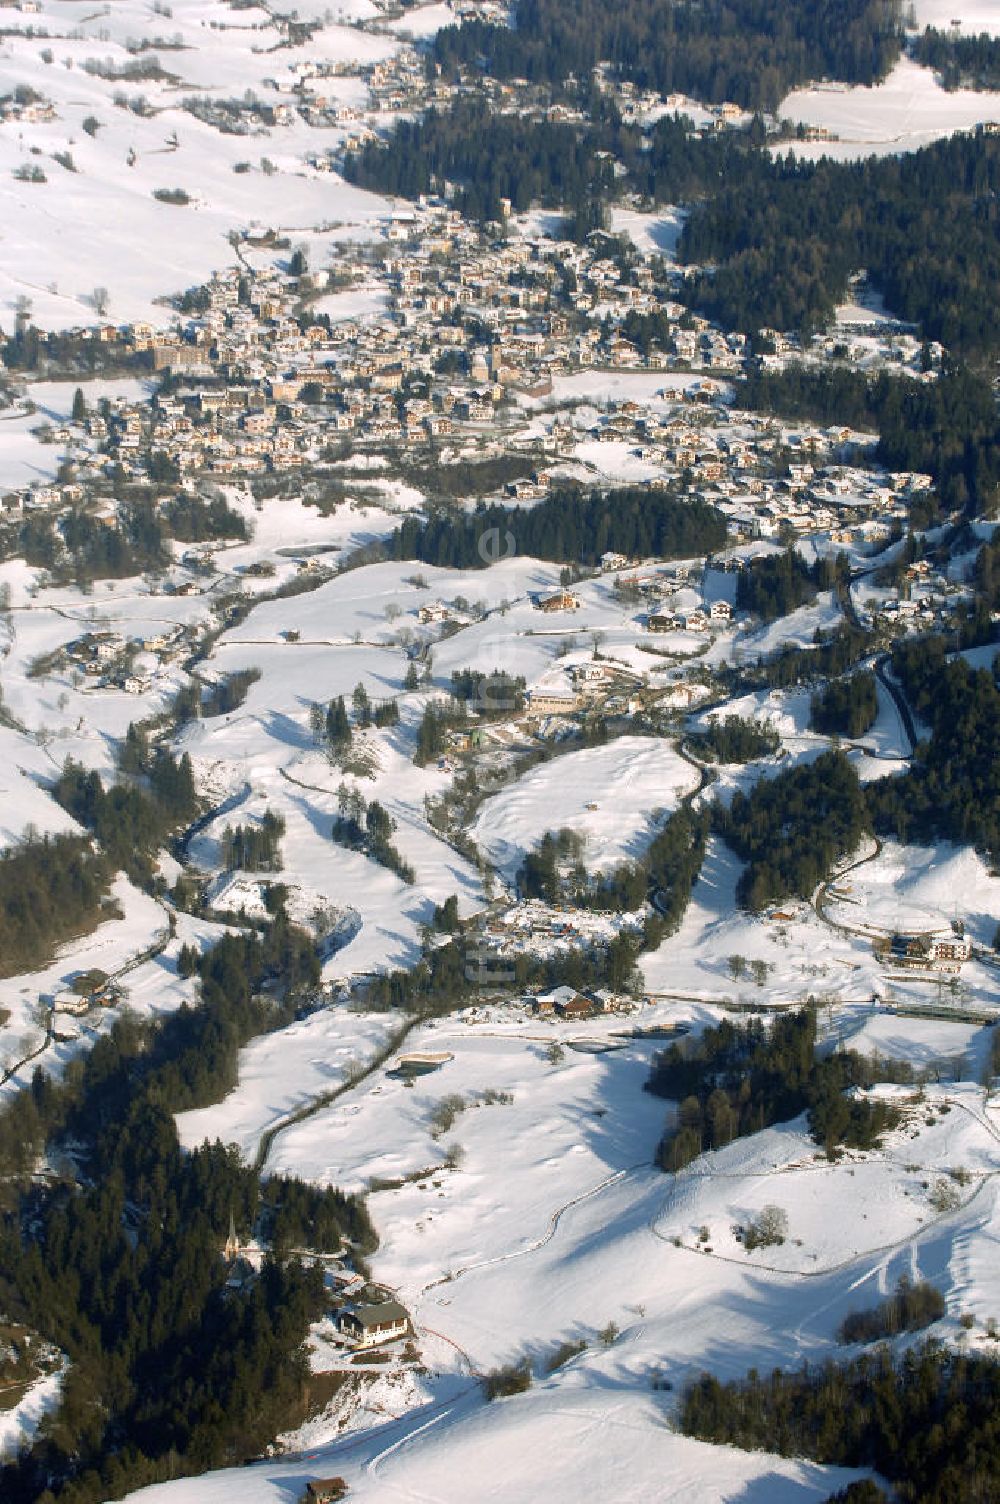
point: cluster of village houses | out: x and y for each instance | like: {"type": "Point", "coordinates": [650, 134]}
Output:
{"type": "Point", "coordinates": [453, 329]}
{"type": "Point", "coordinates": [468, 322]}
{"type": "Point", "coordinates": [466, 326]}
{"type": "Point", "coordinates": [943, 954]}
{"type": "Point", "coordinates": [529, 924]}
{"type": "Point", "coordinates": [459, 328]}
{"type": "Point", "coordinates": [107, 657]}
{"type": "Point", "coordinates": [402, 83]}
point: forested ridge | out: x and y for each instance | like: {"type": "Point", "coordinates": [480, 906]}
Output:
{"type": "Point", "coordinates": [491, 156]}
{"type": "Point", "coordinates": [664, 875]}
{"type": "Point", "coordinates": [790, 830]}
{"type": "Point", "coordinates": [832, 654]}
{"type": "Point", "coordinates": [926, 1422]}
{"type": "Point", "coordinates": [747, 51]}
{"type": "Point", "coordinates": [960, 62]}
{"type": "Point", "coordinates": [786, 237]}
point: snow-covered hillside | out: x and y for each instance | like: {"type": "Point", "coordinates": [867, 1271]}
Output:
{"type": "Point", "coordinates": [93, 222]}
{"type": "Point", "coordinates": [504, 1141]}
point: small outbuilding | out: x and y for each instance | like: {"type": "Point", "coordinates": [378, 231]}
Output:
{"type": "Point", "coordinates": [324, 1491]}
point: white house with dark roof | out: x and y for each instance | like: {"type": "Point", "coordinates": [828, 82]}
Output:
{"type": "Point", "coordinates": [367, 1326]}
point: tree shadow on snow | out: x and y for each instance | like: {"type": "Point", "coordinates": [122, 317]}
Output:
{"type": "Point", "coordinates": [777, 1488]}
{"type": "Point", "coordinates": [283, 728]}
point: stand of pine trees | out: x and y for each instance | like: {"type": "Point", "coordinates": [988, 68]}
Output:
{"type": "Point", "coordinates": [926, 1421]}
{"type": "Point", "coordinates": [738, 1079]}
{"type": "Point", "coordinates": [51, 889]}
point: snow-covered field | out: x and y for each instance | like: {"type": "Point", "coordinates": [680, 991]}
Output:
{"type": "Point", "coordinates": [653, 234]}
{"type": "Point", "coordinates": [802, 955]}
{"type": "Point", "coordinates": [610, 796]}
{"type": "Point", "coordinates": [553, 1225]}
{"type": "Point", "coordinates": [908, 110]}
{"type": "Point", "coordinates": [797, 629]}
{"type": "Point", "coordinates": [463, 1452]}
{"type": "Point", "coordinates": [316, 1052]}
{"type": "Point", "coordinates": [919, 888]}
{"type": "Point", "coordinates": [973, 16]}
{"type": "Point", "coordinates": [423, 20]}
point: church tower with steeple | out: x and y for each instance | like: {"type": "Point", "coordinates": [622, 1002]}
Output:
{"type": "Point", "coordinates": [232, 1247]}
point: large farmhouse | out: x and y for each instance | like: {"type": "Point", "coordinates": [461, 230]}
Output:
{"type": "Point", "coordinates": [367, 1326]}
{"type": "Point", "coordinates": [934, 953]}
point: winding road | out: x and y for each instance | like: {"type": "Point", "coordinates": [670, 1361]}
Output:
{"type": "Point", "coordinates": [898, 699]}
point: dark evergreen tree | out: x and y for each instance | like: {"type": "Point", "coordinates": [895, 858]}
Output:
{"type": "Point", "coordinates": [338, 727]}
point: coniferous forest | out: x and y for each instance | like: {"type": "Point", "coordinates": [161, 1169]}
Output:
{"type": "Point", "coordinates": [926, 1422]}
{"type": "Point", "coordinates": [50, 889]}
{"type": "Point", "coordinates": [738, 1079]}
{"type": "Point", "coordinates": [569, 526]}
{"type": "Point", "coordinates": [490, 157]}
{"type": "Point", "coordinates": [923, 225]}
{"type": "Point", "coordinates": [845, 707]}
{"type": "Point", "coordinates": [952, 789]}
{"type": "Point", "coordinates": [960, 62]}
{"type": "Point", "coordinates": [55, 887]}
{"type": "Point", "coordinates": [131, 819]}
{"type": "Point", "coordinates": [734, 739]}
{"type": "Point", "coordinates": [777, 584]}
{"type": "Point", "coordinates": [724, 49]}
{"type": "Point", "coordinates": [84, 549]}
{"type": "Point", "coordinates": [790, 830]}
{"type": "Point", "coordinates": [254, 848]}
{"type": "Point", "coordinates": [493, 157]}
